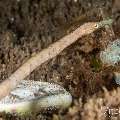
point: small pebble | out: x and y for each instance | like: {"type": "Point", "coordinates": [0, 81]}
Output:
{"type": "Point", "coordinates": [117, 77]}
{"type": "Point", "coordinates": [34, 96]}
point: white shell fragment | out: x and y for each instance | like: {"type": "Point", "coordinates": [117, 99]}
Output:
{"type": "Point", "coordinates": [117, 77]}
{"type": "Point", "coordinates": [35, 96]}
{"type": "Point", "coordinates": [111, 55]}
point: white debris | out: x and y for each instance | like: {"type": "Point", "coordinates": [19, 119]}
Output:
{"type": "Point", "coordinates": [111, 55]}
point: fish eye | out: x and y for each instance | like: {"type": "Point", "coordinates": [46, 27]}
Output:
{"type": "Point", "coordinates": [96, 25]}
